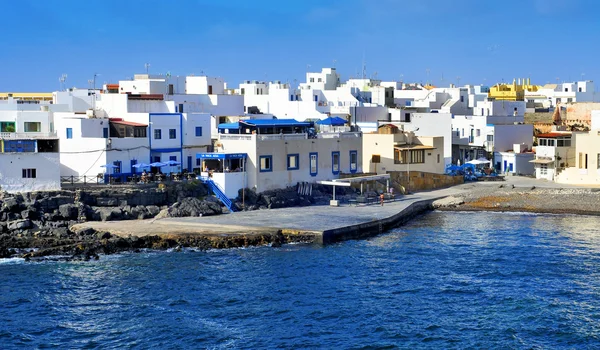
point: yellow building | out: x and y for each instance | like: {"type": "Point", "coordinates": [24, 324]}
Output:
{"type": "Point", "coordinates": [27, 96]}
{"type": "Point", "coordinates": [512, 92]}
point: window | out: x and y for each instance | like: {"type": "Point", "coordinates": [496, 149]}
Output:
{"type": "Point", "coordinates": [198, 131]}
{"type": "Point", "coordinates": [335, 162]}
{"type": "Point", "coordinates": [319, 80]}
{"type": "Point", "coordinates": [314, 163]}
{"type": "Point", "coordinates": [139, 132]}
{"type": "Point", "coordinates": [586, 161]}
{"type": "Point", "coordinates": [131, 164]}
{"type": "Point", "coordinates": [543, 169]}
{"type": "Point", "coordinates": [32, 126]}
{"type": "Point", "coordinates": [375, 158]}
{"type": "Point", "coordinates": [462, 98]}
{"type": "Point", "coordinates": [598, 161]}
{"type": "Point", "coordinates": [408, 103]}
{"type": "Point", "coordinates": [312, 80]}
{"type": "Point", "coordinates": [157, 134]}
{"type": "Point", "coordinates": [463, 133]}
{"type": "Point", "coordinates": [292, 161]}
{"type": "Point", "coordinates": [291, 97]}
{"type": "Point", "coordinates": [566, 89]}
{"type": "Point", "coordinates": [579, 89]}
{"type": "Point", "coordinates": [7, 127]}
{"type": "Point", "coordinates": [438, 158]}
{"type": "Point", "coordinates": [69, 133]}
{"type": "Point", "coordinates": [407, 117]}
{"type": "Point", "coordinates": [29, 173]}
{"type": "Point", "coordinates": [117, 168]}
{"type": "Point", "coordinates": [316, 98]}
{"type": "Point", "coordinates": [551, 143]}
{"type": "Point", "coordinates": [543, 142]}
{"type": "Point", "coordinates": [181, 108]}
{"type": "Point", "coordinates": [353, 161]}
{"type": "Point", "coordinates": [172, 134]}
{"type": "Point", "coordinates": [11, 146]}
{"type": "Point", "coordinates": [242, 91]}
{"type": "Point", "coordinates": [580, 160]}
{"type": "Point", "coordinates": [478, 132]}
{"type": "Point", "coordinates": [458, 132]}
{"type": "Point", "coordinates": [389, 117]}
{"type": "Point", "coordinates": [105, 133]}
{"type": "Point", "coordinates": [266, 163]}
{"type": "Point", "coordinates": [173, 158]}
{"type": "Point", "coordinates": [417, 156]}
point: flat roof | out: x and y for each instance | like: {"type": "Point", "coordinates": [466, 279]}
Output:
{"type": "Point", "coordinates": [363, 178]}
{"type": "Point", "coordinates": [413, 147]}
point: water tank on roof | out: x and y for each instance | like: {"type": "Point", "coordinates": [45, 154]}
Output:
{"type": "Point", "coordinates": [90, 113]}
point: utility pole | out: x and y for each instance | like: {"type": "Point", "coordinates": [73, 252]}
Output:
{"type": "Point", "coordinates": [147, 66]}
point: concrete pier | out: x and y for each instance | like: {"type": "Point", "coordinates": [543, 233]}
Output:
{"type": "Point", "coordinates": [325, 224]}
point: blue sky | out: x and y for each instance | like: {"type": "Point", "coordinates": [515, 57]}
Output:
{"type": "Point", "coordinates": [480, 41]}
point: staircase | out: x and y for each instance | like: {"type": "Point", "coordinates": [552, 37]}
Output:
{"type": "Point", "coordinates": [218, 192]}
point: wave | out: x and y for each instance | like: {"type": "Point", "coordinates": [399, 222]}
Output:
{"type": "Point", "coordinates": [12, 261]}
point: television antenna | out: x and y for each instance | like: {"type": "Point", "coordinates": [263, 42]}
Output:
{"type": "Point", "coordinates": [62, 79]}
{"type": "Point", "coordinates": [147, 66]}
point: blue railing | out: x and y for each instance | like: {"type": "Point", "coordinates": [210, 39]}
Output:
{"type": "Point", "coordinates": [218, 192]}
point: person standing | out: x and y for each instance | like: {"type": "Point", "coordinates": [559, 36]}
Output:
{"type": "Point", "coordinates": [381, 196]}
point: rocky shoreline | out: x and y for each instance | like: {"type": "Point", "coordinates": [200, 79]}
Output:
{"type": "Point", "coordinates": [39, 224]}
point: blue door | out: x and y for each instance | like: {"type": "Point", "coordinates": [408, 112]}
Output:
{"type": "Point", "coordinates": [505, 166]}
{"type": "Point", "coordinates": [133, 162]}
{"type": "Point", "coordinates": [189, 164]}
{"type": "Point", "coordinates": [510, 167]}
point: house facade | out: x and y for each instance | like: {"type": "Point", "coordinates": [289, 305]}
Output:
{"type": "Point", "coordinates": [280, 153]}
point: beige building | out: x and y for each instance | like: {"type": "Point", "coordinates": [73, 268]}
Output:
{"type": "Point", "coordinates": [587, 157]}
{"type": "Point", "coordinates": [392, 149]}
{"type": "Point", "coordinates": [554, 153]}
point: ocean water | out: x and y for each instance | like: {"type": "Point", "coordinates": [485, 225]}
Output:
{"type": "Point", "coordinates": [447, 280]}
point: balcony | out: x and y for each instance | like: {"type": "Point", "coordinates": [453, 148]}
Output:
{"type": "Point", "coordinates": [28, 135]}
{"type": "Point", "coordinates": [338, 135]}
{"type": "Point", "coordinates": [235, 137]}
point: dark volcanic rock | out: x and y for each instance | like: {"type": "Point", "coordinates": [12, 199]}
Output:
{"type": "Point", "coordinates": [69, 211]}
{"type": "Point", "coordinates": [19, 224]}
{"type": "Point", "coordinates": [191, 207]}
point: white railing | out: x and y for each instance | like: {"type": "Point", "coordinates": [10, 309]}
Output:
{"type": "Point", "coordinates": [337, 135]}
{"type": "Point", "coordinates": [235, 137]}
{"type": "Point", "coordinates": [282, 137]}
{"type": "Point", "coordinates": [27, 135]}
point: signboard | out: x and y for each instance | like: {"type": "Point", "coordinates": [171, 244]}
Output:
{"type": "Point", "coordinates": [221, 155]}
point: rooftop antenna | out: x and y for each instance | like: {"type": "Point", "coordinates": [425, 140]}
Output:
{"type": "Point", "coordinates": [147, 66]}
{"type": "Point", "coordinates": [364, 67]}
{"type": "Point", "coordinates": [62, 80]}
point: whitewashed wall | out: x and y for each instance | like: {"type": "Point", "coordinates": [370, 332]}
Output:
{"type": "Point", "coordinates": [47, 167]}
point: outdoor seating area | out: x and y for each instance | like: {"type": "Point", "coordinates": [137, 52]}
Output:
{"type": "Point", "coordinates": [474, 170]}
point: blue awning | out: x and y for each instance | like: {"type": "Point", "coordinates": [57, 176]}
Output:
{"type": "Point", "coordinates": [275, 122]}
{"type": "Point", "coordinates": [221, 155]}
{"type": "Point", "coordinates": [235, 125]}
{"type": "Point", "coordinates": [334, 121]}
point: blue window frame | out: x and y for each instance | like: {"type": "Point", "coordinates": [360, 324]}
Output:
{"type": "Point", "coordinates": [313, 158]}
{"type": "Point", "coordinates": [156, 159]}
{"type": "Point", "coordinates": [198, 161]}
{"type": "Point", "coordinates": [69, 133]}
{"type": "Point", "coordinates": [353, 161]}
{"type": "Point", "coordinates": [293, 161]}
{"type": "Point", "coordinates": [335, 162]}
{"type": "Point", "coordinates": [133, 162]}
{"type": "Point", "coordinates": [265, 163]}
{"type": "Point", "coordinates": [28, 146]}
{"type": "Point", "coordinates": [172, 133]}
{"type": "Point", "coordinates": [105, 133]}
{"type": "Point", "coordinates": [173, 158]}
{"type": "Point", "coordinates": [117, 169]}
{"type": "Point", "coordinates": [198, 131]}
{"type": "Point", "coordinates": [157, 134]}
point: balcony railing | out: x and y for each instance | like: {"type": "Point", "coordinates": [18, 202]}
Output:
{"type": "Point", "coordinates": [28, 135]}
{"type": "Point", "coordinates": [283, 137]}
{"type": "Point", "coordinates": [337, 135]}
{"type": "Point", "coordinates": [235, 137]}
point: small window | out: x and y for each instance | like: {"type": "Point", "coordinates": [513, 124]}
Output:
{"type": "Point", "coordinates": [69, 133]}
{"type": "Point", "coordinates": [314, 163]}
{"type": "Point", "coordinates": [478, 132]}
{"type": "Point", "coordinates": [242, 91]}
{"type": "Point", "coordinates": [463, 133]}
{"type": "Point", "coordinates": [316, 98]}
{"type": "Point", "coordinates": [353, 161]}
{"type": "Point", "coordinates": [462, 98]}
{"type": "Point", "coordinates": [172, 134]}
{"type": "Point", "coordinates": [181, 108]}
{"type": "Point", "coordinates": [32, 126]}
{"type": "Point", "coordinates": [375, 158]}
{"type": "Point", "coordinates": [551, 143]}
{"type": "Point", "coordinates": [173, 158]}
{"type": "Point", "coordinates": [438, 158]}
{"type": "Point", "coordinates": [598, 161]}
{"type": "Point", "coordinates": [157, 134]}
{"type": "Point", "coordinates": [407, 117]}
{"type": "Point", "coordinates": [580, 89]}
{"type": "Point", "coordinates": [335, 162]}
{"type": "Point", "coordinates": [292, 161]}
{"type": "Point", "coordinates": [312, 80]}
{"type": "Point", "coordinates": [105, 133]}
{"type": "Point", "coordinates": [543, 169]}
{"type": "Point", "coordinates": [198, 131]}
{"type": "Point", "coordinates": [319, 80]}
{"type": "Point", "coordinates": [266, 163]}
{"type": "Point", "coordinates": [29, 173]}
{"type": "Point", "coordinates": [490, 138]}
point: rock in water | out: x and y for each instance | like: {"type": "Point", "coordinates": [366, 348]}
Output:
{"type": "Point", "coordinates": [448, 202]}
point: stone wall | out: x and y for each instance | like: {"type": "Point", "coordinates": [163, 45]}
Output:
{"type": "Point", "coordinates": [420, 181]}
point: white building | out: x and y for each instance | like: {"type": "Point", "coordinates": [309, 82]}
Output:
{"type": "Point", "coordinates": [555, 152]}
{"type": "Point", "coordinates": [29, 158]}
{"type": "Point", "coordinates": [279, 153]}
{"type": "Point", "coordinates": [552, 94]}
{"type": "Point", "coordinates": [515, 162]}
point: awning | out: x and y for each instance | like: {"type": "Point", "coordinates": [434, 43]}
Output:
{"type": "Point", "coordinates": [414, 147]}
{"type": "Point", "coordinates": [541, 161]}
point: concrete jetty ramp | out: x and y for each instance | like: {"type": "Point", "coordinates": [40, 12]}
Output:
{"type": "Point", "coordinates": [324, 223]}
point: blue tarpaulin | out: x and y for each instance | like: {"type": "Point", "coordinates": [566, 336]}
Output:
{"type": "Point", "coordinates": [333, 121]}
